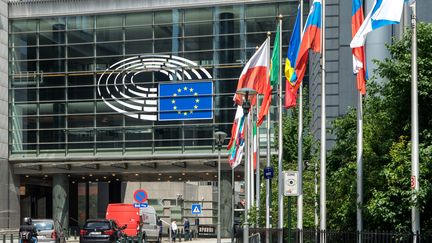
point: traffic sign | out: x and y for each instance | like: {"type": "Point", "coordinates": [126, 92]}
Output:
{"type": "Point", "coordinates": [140, 196]}
{"type": "Point", "coordinates": [140, 205]}
{"type": "Point", "coordinates": [268, 172]}
{"type": "Point", "coordinates": [196, 208]}
{"type": "Point", "coordinates": [290, 183]}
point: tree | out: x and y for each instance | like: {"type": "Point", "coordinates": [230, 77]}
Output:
{"type": "Point", "coordinates": [387, 150]}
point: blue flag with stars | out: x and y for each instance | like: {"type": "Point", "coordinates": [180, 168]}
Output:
{"type": "Point", "coordinates": [185, 101]}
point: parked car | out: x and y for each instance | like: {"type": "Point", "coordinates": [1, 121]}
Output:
{"type": "Point", "coordinates": [46, 231]}
{"type": "Point", "coordinates": [100, 231]}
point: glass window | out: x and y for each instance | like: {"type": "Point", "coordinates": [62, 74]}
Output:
{"type": "Point", "coordinates": [52, 121]}
{"type": "Point", "coordinates": [80, 50]}
{"type": "Point", "coordinates": [80, 36]}
{"type": "Point", "coordinates": [261, 25]}
{"type": "Point", "coordinates": [163, 31]}
{"type": "Point", "coordinates": [198, 29]}
{"type": "Point", "coordinates": [80, 22]}
{"type": "Point", "coordinates": [80, 135]}
{"type": "Point", "coordinates": [139, 134]}
{"type": "Point", "coordinates": [48, 94]}
{"type": "Point", "coordinates": [52, 66]}
{"type": "Point", "coordinates": [109, 21]}
{"type": "Point", "coordinates": [81, 93]}
{"type": "Point", "coordinates": [198, 14]}
{"type": "Point", "coordinates": [109, 35]}
{"type": "Point", "coordinates": [25, 122]}
{"type": "Point", "coordinates": [198, 44]}
{"type": "Point", "coordinates": [23, 137]}
{"type": "Point", "coordinates": [24, 109]}
{"type": "Point", "coordinates": [111, 134]}
{"type": "Point", "coordinates": [80, 79]}
{"type": "Point", "coordinates": [261, 10]}
{"type": "Point", "coordinates": [53, 24]}
{"type": "Point", "coordinates": [81, 64]}
{"type": "Point", "coordinates": [24, 25]}
{"type": "Point", "coordinates": [56, 136]}
{"type": "Point", "coordinates": [230, 12]}
{"type": "Point", "coordinates": [23, 66]}
{"type": "Point", "coordinates": [139, 19]}
{"type": "Point", "coordinates": [80, 107]}
{"type": "Point", "coordinates": [139, 47]}
{"type": "Point", "coordinates": [24, 53]}
{"type": "Point", "coordinates": [163, 17]}
{"type": "Point", "coordinates": [24, 39]}
{"type": "Point", "coordinates": [24, 95]}
{"type": "Point", "coordinates": [52, 38]}
{"type": "Point", "coordinates": [49, 52]}
{"type": "Point", "coordinates": [109, 49]}
{"type": "Point", "coordinates": [164, 45]}
{"type": "Point", "coordinates": [109, 120]}
{"type": "Point", "coordinates": [52, 80]}
{"type": "Point", "coordinates": [141, 32]}
{"type": "Point", "coordinates": [167, 136]}
{"type": "Point", "coordinates": [52, 108]}
{"type": "Point", "coordinates": [77, 121]}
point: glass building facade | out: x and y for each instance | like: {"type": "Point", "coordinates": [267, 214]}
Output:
{"type": "Point", "coordinates": [55, 64]}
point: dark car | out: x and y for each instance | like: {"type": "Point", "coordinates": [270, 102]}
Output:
{"type": "Point", "coordinates": [100, 230]}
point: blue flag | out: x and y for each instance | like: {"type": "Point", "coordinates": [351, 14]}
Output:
{"type": "Point", "coordinates": [185, 101]}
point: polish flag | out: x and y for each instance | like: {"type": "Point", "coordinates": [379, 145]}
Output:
{"type": "Point", "coordinates": [255, 74]}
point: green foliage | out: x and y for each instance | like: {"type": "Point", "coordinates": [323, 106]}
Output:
{"type": "Point", "coordinates": [387, 151]}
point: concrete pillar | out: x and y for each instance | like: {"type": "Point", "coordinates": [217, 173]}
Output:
{"type": "Point", "coordinates": [226, 208]}
{"type": "Point", "coordinates": [9, 197]}
{"type": "Point", "coordinates": [61, 200]}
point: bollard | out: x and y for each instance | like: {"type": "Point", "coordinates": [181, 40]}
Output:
{"type": "Point", "coordinates": [11, 238]}
{"type": "Point", "coordinates": [4, 238]}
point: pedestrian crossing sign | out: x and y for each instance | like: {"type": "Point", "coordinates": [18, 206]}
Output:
{"type": "Point", "coordinates": [196, 209]}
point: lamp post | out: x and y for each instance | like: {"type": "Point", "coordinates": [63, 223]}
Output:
{"type": "Point", "coordinates": [220, 138]}
{"type": "Point", "coordinates": [247, 94]}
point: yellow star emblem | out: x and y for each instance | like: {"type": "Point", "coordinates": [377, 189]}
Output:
{"type": "Point", "coordinates": [185, 113]}
{"type": "Point", "coordinates": [173, 101]}
{"type": "Point", "coordinates": [174, 95]}
{"type": "Point", "coordinates": [179, 90]}
{"type": "Point", "coordinates": [191, 90]}
{"type": "Point", "coordinates": [190, 112]}
{"type": "Point", "coordinates": [179, 112]}
{"type": "Point", "coordinates": [195, 106]}
{"type": "Point", "coordinates": [175, 107]}
{"type": "Point", "coordinates": [185, 88]}
{"type": "Point", "coordinates": [197, 100]}
{"type": "Point", "coordinates": [196, 94]}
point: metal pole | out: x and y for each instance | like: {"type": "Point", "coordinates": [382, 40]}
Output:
{"type": "Point", "coordinates": [251, 161]}
{"type": "Point", "coordinates": [323, 190]}
{"type": "Point", "coordinates": [219, 195]}
{"type": "Point", "coordinates": [415, 214]}
{"type": "Point", "coordinates": [280, 159]}
{"type": "Point", "coordinates": [316, 201]}
{"type": "Point", "coordinates": [232, 203]}
{"type": "Point", "coordinates": [268, 182]}
{"type": "Point", "coordinates": [359, 167]}
{"type": "Point", "coordinates": [246, 179]}
{"type": "Point", "coordinates": [257, 175]}
{"type": "Point", "coordinates": [300, 148]}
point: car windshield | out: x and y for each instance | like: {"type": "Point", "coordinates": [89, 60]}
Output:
{"type": "Point", "coordinates": [97, 225]}
{"type": "Point", "coordinates": [44, 225]}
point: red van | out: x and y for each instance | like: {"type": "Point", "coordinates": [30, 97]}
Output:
{"type": "Point", "coordinates": [124, 214]}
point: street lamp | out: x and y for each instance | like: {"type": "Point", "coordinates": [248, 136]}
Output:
{"type": "Point", "coordinates": [247, 94]}
{"type": "Point", "coordinates": [220, 138]}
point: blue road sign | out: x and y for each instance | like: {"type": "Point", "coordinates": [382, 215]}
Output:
{"type": "Point", "coordinates": [140, 196]}
{"type": "Point", "coordinates": [268, 172]}
{"type": "Point", "coordinates": [196, 209]}
{"type": "Point", "coordinates": [140, 205]}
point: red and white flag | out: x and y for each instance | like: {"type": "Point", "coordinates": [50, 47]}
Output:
{"type": "Point", "coordinates": [255, 74]}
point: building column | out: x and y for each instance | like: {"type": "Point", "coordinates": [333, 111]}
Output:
{"type": "Point", "coordinates": [9, 197]}
{"type": "Point", "coordinates": [226, 206]}
{"type": "Point", "coordinates": [61, 201]}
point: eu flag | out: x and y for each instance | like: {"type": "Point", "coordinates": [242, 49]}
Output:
{"type": "Point", "coordinates": [185, 101]}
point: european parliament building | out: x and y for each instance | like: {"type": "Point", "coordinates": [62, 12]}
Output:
{"type": "Point", "coordinates": [83, 111]}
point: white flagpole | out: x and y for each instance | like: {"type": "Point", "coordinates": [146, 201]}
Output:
{"type": "Point", "coordinates": [257, 178]}
{"type": "Point", "coordinates": [280, 159]}
{"type": "Point", "coordinates": [268, 181]}
{"type": "Point", "coordinates": [323, 189]}
{"type": "Point", "coordinates": [359, 166]}
{"type": "Point", "coordinates": [251, 161]}
{"type": "Point", "coordinates": [300, 147]}
{"type": "Point", "coordinates": [415, 173]}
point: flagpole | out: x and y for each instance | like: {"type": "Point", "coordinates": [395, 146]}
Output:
{"type": "Point", "coordinates": [280, 159]}
{"type": "Point", "coordinates": [268, 181]}
{"type": "Point", "coordinates": [251, 161]}
{"type": "Point", "coordinates": [323, 190]}
{"type": "Point", "coordinates": [300, 147]}
{"type": "Point", "coordinates": [257, 178]}
{"type": "Point", "coordinates": [415, 214]}
{"type": "Point", "coordinates": [359, 166]}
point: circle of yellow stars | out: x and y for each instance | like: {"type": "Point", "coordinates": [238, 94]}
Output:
{"type": "Point", "coordinates": [185, 91]}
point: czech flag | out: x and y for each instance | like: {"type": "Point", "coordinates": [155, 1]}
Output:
{"type": "Point", "coordinates": [311, 40]}
{"type": "Point", "coordinates": [359, 58]}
